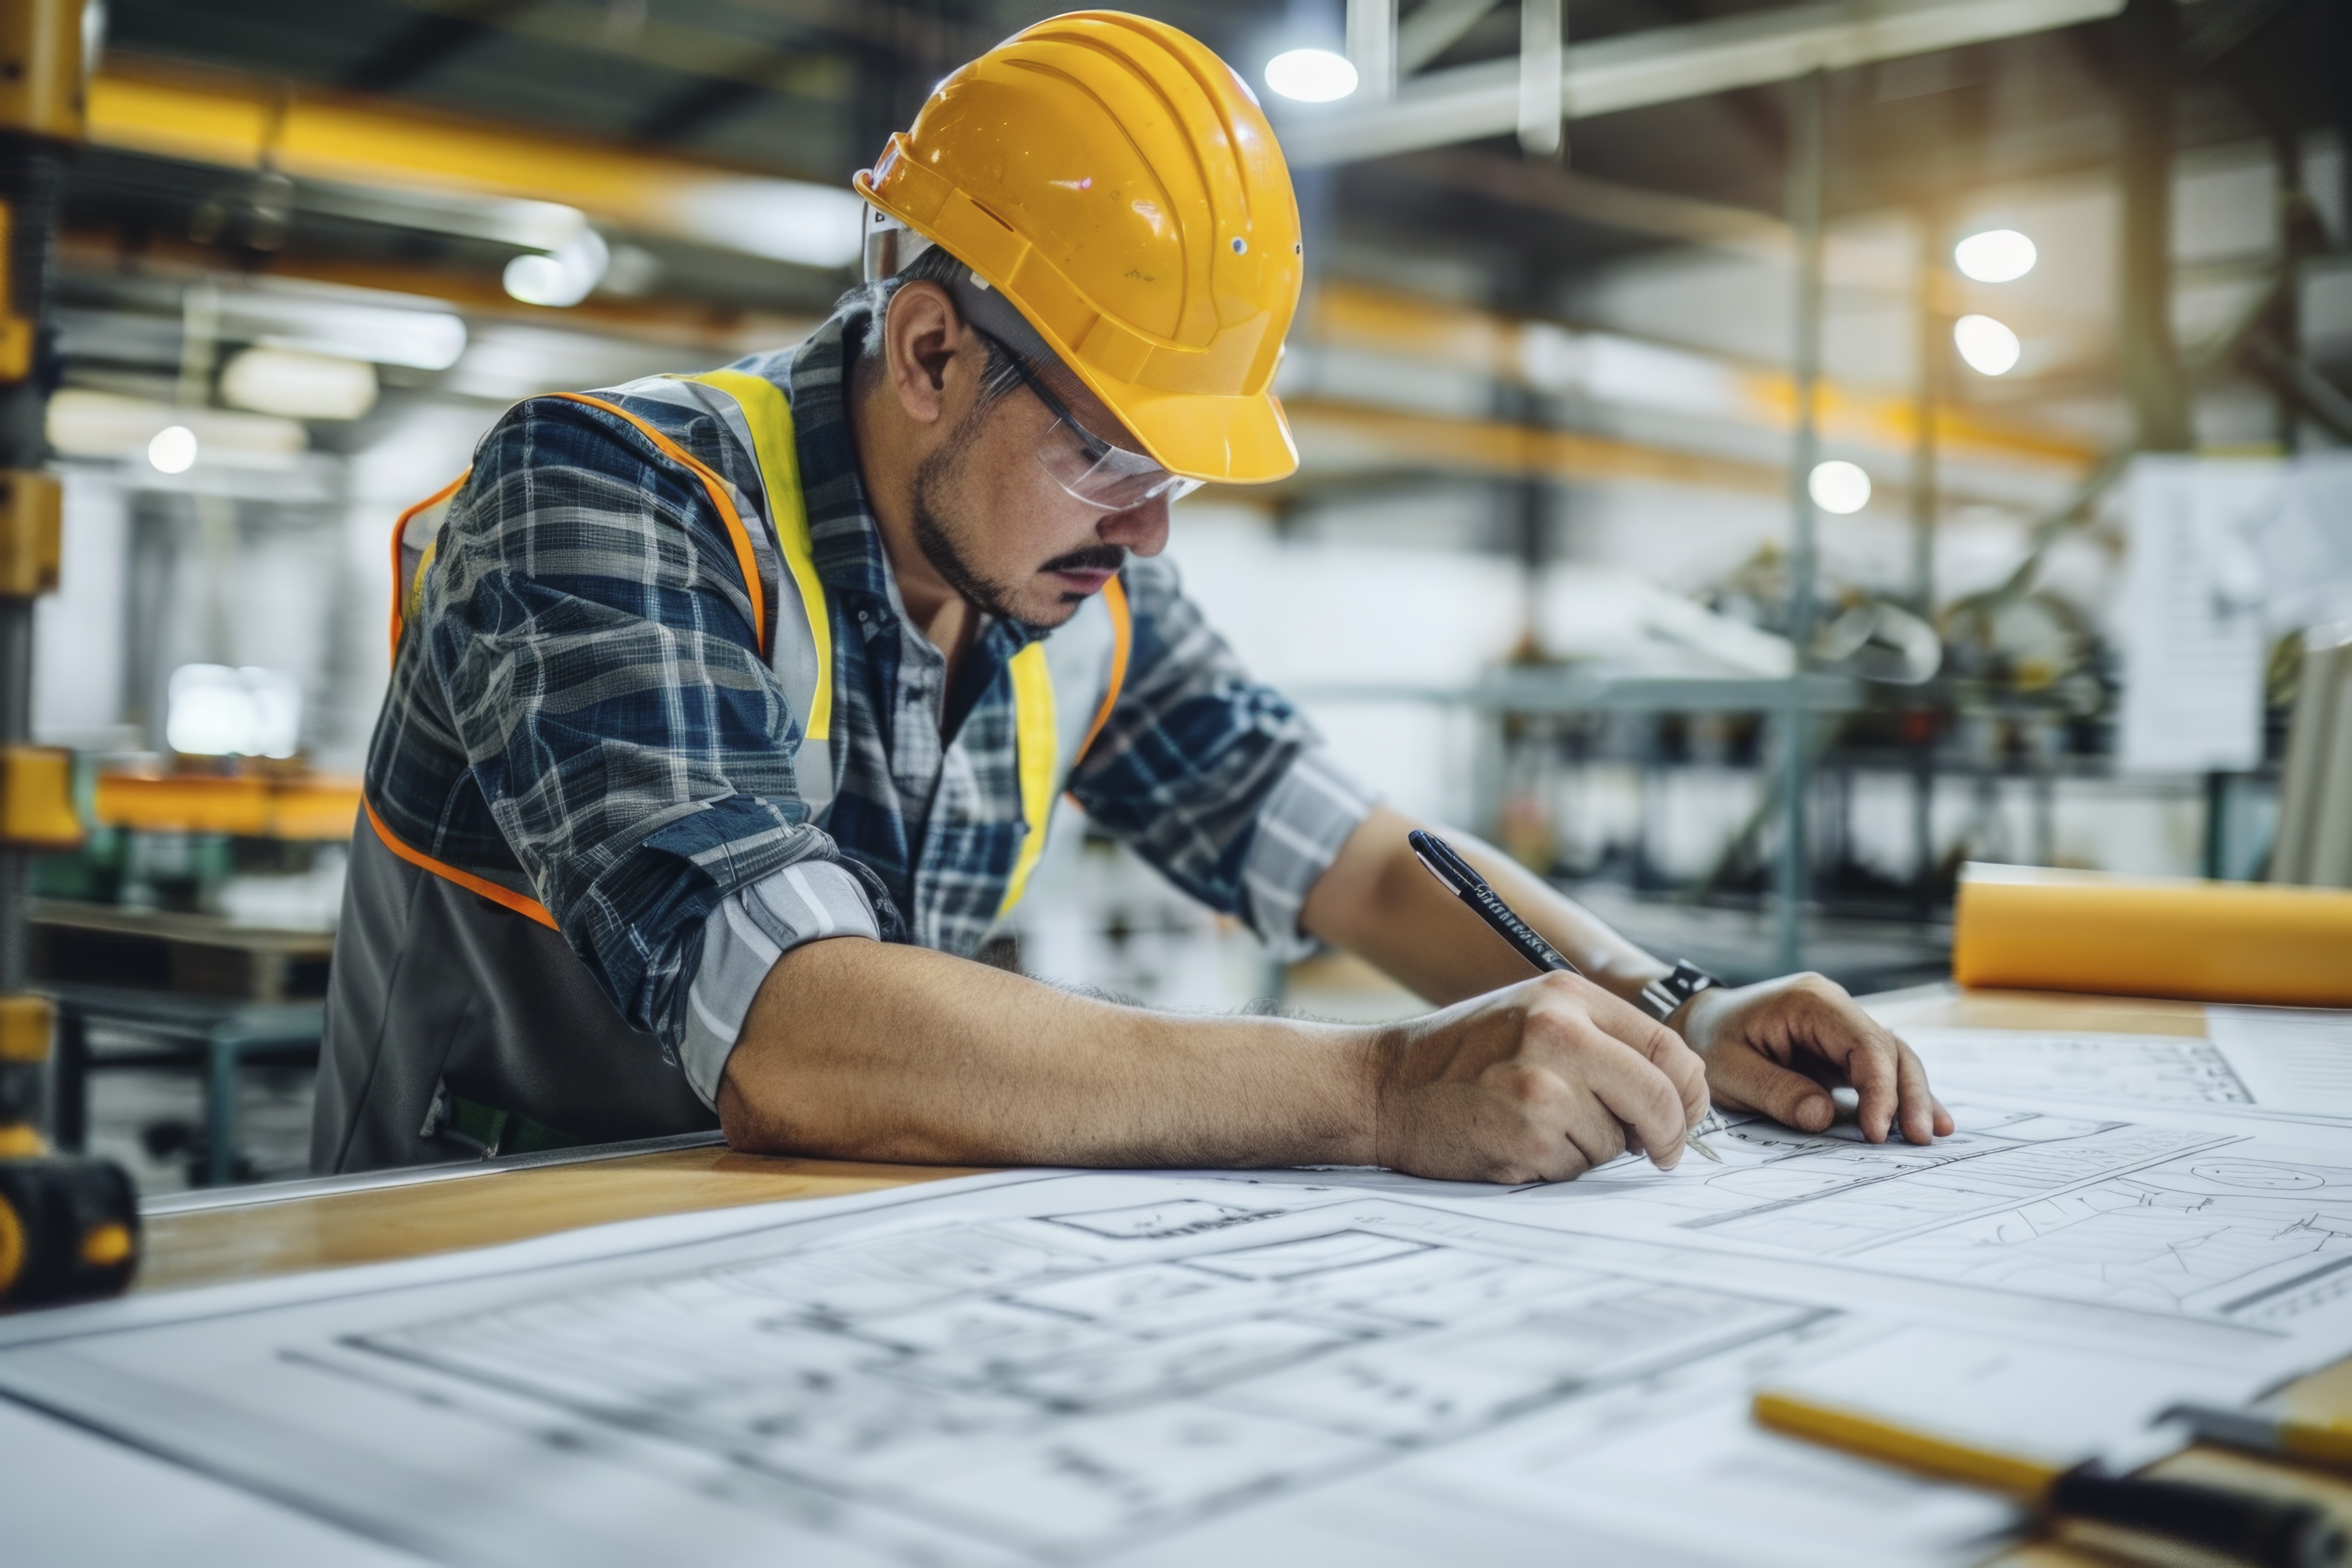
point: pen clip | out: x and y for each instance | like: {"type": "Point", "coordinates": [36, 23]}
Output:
{"type": "Point", "coordinates": [1438, 871]}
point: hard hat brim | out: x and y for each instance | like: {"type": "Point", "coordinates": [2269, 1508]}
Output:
{"type": "Point", "coordinates": [1241, 440]}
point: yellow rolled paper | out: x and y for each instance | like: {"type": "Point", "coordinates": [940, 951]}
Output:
{"type": "Point", "coordinates": [2034, 929]}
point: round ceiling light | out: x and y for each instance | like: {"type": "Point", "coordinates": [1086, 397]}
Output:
{"type": "Point", "coordinates": [174, 449]}
{"type": "Point", "coordinates": [1311, 75]}
{"type": "Point", "coordinates": [1989, 348]}
{"type": "Point", "coordinates": [1996, 256]}
{"type": "Point", "coordinates": [1838, 487]}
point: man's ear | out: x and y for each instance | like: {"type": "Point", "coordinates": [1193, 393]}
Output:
{"type": "Point", "coordinates": [922, 335]}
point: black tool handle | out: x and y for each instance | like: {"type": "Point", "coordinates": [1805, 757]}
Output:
{"type": "Point", "coordinates": [1470, 887]}
{"type": "Point", "coordinates": [2259, 1530]}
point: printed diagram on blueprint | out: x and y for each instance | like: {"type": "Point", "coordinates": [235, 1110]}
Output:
{"type": "Point", "coordinates": [2110, 1069]}
{"type": "Point", "coordinates": [2269, 1061]}
{"type": "Point", "coordinates": [1089, 1376]}
{"type": "Point", "coordinates": [2256, 1232]}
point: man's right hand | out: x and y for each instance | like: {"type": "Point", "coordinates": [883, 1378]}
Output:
{"type": "Point", "coordinates": [1539, 1082]}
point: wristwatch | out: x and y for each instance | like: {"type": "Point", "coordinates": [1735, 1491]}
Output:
{"type": "Point", "coordinates": [1662, 996]}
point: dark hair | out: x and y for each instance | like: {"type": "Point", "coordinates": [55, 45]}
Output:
{"type": "Point", "coordinates": [933, 266]}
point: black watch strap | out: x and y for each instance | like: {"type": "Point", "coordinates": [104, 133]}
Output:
{"type": "Point", "coordinates": [1663, 995]}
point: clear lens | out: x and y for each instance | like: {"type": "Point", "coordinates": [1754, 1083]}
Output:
{"type": "Point", "coordinates": [1110, 478]}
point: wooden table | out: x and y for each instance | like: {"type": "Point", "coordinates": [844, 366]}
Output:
{"type": "Point", "coordinates": [208, 1238]}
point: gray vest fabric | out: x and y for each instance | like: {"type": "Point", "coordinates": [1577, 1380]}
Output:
{"type": "Point", "coordinates": [434, 985]}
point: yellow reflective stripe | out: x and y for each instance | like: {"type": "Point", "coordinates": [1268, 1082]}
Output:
{"type": "Point", "coordinates": [770, 414]}
{"type": "Point", "coordinates": [1038, 743]}
{"type": "Point", "coordinates": [416, 605]}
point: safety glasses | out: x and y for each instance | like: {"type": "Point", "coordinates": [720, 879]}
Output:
{"type": "Point", "coordinates": [1092, 471]}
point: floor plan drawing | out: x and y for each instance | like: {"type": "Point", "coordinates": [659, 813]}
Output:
{"type": "Point", "coordinates": [2111, 1070]}
{"type": "Point", "coordinates": [1081, 1369]}
{"type": "Point", "coordinates": [2252, 1230]}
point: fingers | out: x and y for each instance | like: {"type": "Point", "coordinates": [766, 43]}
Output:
{"type": "Point", "coordinates": [1750, 1080]}
{"type": "Point", "coordinates": [1923, 1117]}
{"type": "Point", "coordinates": [1887, 1078]}
{"type": "Point", "coordinates": [1633, 1092]}
{"type": "Point", "coordinates": [1665, 1050]}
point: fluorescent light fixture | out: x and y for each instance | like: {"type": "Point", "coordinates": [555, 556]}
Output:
{"type": "Point", "coordinates": [85, 424]}
{"type": "Point", "coordinates": [298, 384]}
{"type": "Point", "coordinates": [1838, 487]}
{"type": "Point", "coordinates": [1989, 348]}
{"type": "Point", "coordinates": [561, 276]}
{"type": "Point", "coordinates": [212, 711]}
{"type": "Point", "coordinates": [783, 220]}
{"type": "Point", "coordinates": [322, 318]}
{"type": "Point", "coordinates": [172, 450]}
{"type": "Point", "coordinates": [1996, 256]}
{"type": "Point", "coordinates": [1311, 75]}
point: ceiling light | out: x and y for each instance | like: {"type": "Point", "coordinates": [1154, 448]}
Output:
{"type": "Point", "coordinates": [1311, 75]}
{"type": "Point", "coordinates": [562, 277]}
{"type": "Point", "coordinates": [1838, 487]}
{"type": "Point", "coordinates": [81, 423]}
{"type": "Point", "coordinates": [350, 323]}
{"type": "Point", "coordinates": [783, 220]}
{"type": "Point", "coordinates": [174, 449]}
{"type": "Point", "coordinates": [1996, 256]}
{"type": "Point", "coordinates": [1986, 345]}
{"type": "Point", "coordinates": [212, 711]}
{"type": "Point", "coordinates": [299, 386]}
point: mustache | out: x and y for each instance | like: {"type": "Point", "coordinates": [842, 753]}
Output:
{"type": "Point", "coordinates": [1093, 558]}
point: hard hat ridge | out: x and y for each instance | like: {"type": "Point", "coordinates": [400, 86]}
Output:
{"type": "Point", "coordinates": [1118, 183]}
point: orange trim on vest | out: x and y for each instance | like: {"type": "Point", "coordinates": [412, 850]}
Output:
{"type": "Point", "coordinates": [747, 563]}
{"type": "Point", "coordinates": [1122, 635]}
{"type": "Point", "coordinates": [531, 908]}
{"type": "Point", "coordinates": [399, 531]}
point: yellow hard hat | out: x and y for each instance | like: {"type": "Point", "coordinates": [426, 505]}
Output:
{"type": "Point", "coordinates": [1115, 180]}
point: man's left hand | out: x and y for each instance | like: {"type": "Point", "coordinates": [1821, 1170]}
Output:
{"type": "Point", "coordinates": [1778, 1048]}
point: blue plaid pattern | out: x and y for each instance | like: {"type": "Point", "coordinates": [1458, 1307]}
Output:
{"type": "Point", "coordinates": [581, 710]}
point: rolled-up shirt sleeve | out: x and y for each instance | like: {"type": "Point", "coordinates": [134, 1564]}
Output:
{"type": "Point", "coordinates": [742, 938]}
{"type": "Point", "coordinates": [1215, 779]}
{"type": "Point", "coordinates": [596, 652]}
{"type": "Point", "coordinates": [1306, 818]}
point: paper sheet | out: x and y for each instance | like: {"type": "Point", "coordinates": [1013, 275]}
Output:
{"type": "Point", "coordinates": [2288, 1058]}
{"type": "Point", "coordinates": [2236, 1230]}
{"type": "Point", "coordinates": [2276, 1061]}
{"type": "Point", "coordinates": [2192, 610]}
{"type": "Point", "coordinates": [1241, 1367]}
{"type": "Point", "coordinates": [1124, 1369]}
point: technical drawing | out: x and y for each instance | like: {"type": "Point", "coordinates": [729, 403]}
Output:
{"type": "Point", "coordinates": [2112, 1070]}
{"type": "Point", "coordinates": [1061, 1385]}
{"type": "Point", "coordinates": [2179, 1221]}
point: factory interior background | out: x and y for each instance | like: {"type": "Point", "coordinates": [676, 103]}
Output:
{"type": "Point", "coordinates": [1731, 492]}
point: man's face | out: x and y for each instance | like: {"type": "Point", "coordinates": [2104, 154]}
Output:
{"type": "Point", "coordinates": [992, 521]}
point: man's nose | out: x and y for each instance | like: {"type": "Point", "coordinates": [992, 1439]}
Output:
{"type": "Point", "coordinates": [1142, 530]}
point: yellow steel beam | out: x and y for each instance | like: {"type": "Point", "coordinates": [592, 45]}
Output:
{"type": "Point", "coordinates": [1344, 434]}
{"type": "Point", "coordinates": [1362, 316]}
{"type": "Point", "coordinates": [243, 123]}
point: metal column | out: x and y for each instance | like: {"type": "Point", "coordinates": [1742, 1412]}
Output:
{"type": "Point", "coordinates": [1933, 346]}
{"type": "Point", "coordinates": [1806, 149]}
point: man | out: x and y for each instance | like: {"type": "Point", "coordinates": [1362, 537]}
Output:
{"type": "Point", "coordinates": [727, 712]}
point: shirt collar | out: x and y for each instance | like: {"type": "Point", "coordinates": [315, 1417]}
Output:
{"type": "Point", "coordinates": [845, 539]}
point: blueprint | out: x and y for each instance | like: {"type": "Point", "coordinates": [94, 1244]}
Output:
{"type": "Point", "coordinates": [2271, 1063]}
{"type": "Point", "coordinates": [1081, 1368]}
{"type": "Point", "coordinates": [2108, 1069]}
{"type": "Point", "coordinates": [1150, 1370]}
{"type": "Point", "coordinates": [2195, 1220]}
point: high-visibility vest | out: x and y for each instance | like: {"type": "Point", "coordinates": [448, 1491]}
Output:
{"type": "Point", "coordinates": [1064, 686]}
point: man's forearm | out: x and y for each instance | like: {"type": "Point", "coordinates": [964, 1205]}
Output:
{"type": "Point", "coordinates": [1378, 901]}
{"type": "Point", "coordinates": [865, 1050]}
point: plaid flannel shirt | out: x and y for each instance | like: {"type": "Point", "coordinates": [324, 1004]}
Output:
{"type": "Point", "coordinates": [581, 712]}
